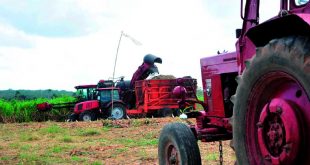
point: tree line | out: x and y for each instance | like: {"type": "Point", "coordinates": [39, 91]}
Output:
{"type": "Point", "coordinates": [11, 94]}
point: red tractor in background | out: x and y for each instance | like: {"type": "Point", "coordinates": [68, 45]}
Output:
{"type": "Point", "coordinates": [258, 96]}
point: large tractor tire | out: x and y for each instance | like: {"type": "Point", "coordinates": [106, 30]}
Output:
{"type": "Point", "coordinates": [272, 105]}
{"type": "Point", "coordinates": [178, 145]}
{"type": "Point", "coordinates": [117, 112]}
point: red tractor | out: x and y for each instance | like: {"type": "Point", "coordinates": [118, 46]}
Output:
{"type": "Point", "coordinates": [258, 96]}
{"type": "Point", "coordinates": [107, 105]}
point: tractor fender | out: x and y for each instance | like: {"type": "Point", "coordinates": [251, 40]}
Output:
{"type": "Point", "coordinates": [86, 105]}
{"type": "Point", "coordinates": [293, 24]}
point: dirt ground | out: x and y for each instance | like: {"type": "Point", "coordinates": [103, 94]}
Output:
{"type": "Point", "coordinates": [107, 142]}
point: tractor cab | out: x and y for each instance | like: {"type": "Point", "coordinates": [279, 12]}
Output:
{"type": "Point", "coordinates": [85, 92]}
{"type": "Point", "coordinates": [107, 95]}
{"type": "Point", "coordinates": [111, 106]}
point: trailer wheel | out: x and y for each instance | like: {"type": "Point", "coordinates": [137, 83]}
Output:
{"type": "Point", "coordinates": [87, 116]}
{"type": "Point", "coordinates": [118, 111]}
{"type": "Point", "coordinates": [178, 145]}
{"type": "Point", "coordinates": [272, 105]}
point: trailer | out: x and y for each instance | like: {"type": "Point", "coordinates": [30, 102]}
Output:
{"type": "Point", "coordinates": [155, 97]}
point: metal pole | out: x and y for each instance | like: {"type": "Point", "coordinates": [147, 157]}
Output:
{"type": "Point", "coordinates": [119, 43]}
{"type": "Point", "coordinates": [112, 91]}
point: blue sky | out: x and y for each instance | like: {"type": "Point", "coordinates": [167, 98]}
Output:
{"type": "Point", "coordinates": [58, 44]}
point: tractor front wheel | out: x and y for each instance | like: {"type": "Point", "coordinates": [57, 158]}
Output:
{"type": "Point", "coordinates": [272, 105]}
{"type": "Point", "coordinates": [178, 145]}
{"type": "Point", "coordinates": [87, 116]}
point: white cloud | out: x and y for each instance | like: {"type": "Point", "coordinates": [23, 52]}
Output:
{"type": "Point", "coordinates": [12, 37]}
{"type": "Point", "coordinates": [180, 32]}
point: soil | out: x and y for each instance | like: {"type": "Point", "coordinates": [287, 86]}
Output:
{"type": "Point", "coordinates": [132, 141]}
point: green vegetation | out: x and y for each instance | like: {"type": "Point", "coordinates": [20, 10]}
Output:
{"type": "Point", "coordinates": [52, 129]}
{"type": "Point", "coordinates": [89, 132]}
{"type": "Point", "coordinates": [67, 139]}
{"type": "Point", "coordinates": [28, 137]}
{"type": "Point", "coordinates": [25, 110]}
{"type": "Point", "coordinates": [212, 157]}
{"type": "Point", "coordinates": [200, 94]}
{"type": "Point", "coordinates": [33, 94]}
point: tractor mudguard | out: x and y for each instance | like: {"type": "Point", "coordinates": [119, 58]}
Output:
{"type": "Point", "coordinates": [293, 24]}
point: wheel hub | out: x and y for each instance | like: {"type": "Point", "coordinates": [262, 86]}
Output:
{"type": "Point", "coordinates": [275, 136]}
{"type": "Point", "coordinates": [86, 118]}
{"type": "Point", "coordinates": [117, 113]}
{"type": "Point", "coordinates": [172, 155]}
{"type": "Point", "coordinates": [279, 132]}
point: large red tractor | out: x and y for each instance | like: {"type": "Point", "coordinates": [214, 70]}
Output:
{"type": "Point", "coordinates": [258, 96]}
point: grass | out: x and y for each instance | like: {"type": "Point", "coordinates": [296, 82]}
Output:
{"type": "Point", "coordinates": [14, 145]}
{"type": "Point", "coordinates": [53, 129]}
{"type": "Point", "coordinates": [88, 143]}
{"type": "Point", "coordinates": [121, 150]}
{"type": "Point", "coordinates": [28, 137]}
{"type": "Point", "coordinates": [57, 149]}
{"type": "Point", "coordinates": [212, 157]}
{"type": "Point", "coordinates": [89, 132]}
{"type": "Point", "coordinates": [77, 159]}
{"type": "Point", "coordinates": [5, 158]}
{"type": "Point", "coordinates": [142, 141]}
{"type": "Point", "coordinates": [96, 163]}
{"type": "Point", "coordinates": [25, 147]}
{"type": "Point", "coordinates": [67, 139]}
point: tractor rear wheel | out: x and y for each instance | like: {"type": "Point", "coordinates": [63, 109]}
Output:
{"type": "Point", "coordinates": [178, 145]}
{"type": "Point", "coordinates": [117, 111]}
{"type": "Point", "coordinates": [87, 116]}
{"type": "Point", "coordinates": [272, 105]}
